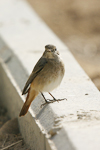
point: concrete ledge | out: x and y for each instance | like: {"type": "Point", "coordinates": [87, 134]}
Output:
{"type": "Point", "coordinates": [71, 124]}
{"type": "Point", "coordinates": [11, 98]}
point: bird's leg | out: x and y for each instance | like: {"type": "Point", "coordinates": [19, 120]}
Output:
{"type": "Point", "coordinates": [54, 99]}
{"type": "Point", "coordinates": [46, 102]}
{"type": "Point", "coordinates": [51, 101]}
{"type": "Point", "coordinates": [52, 96]}
{"type": "Point", "coordinates": [44, 97]}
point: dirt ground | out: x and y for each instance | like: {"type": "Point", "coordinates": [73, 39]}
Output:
{"type": "Point", "coordinates": [10, 137]}
{"type": "Point", "coordinates": [77, 24]}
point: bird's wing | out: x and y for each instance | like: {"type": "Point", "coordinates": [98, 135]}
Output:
{"type": "Point", "coordinates": [38, 67]}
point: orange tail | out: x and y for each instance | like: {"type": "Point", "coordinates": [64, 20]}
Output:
{"type": "Point", "coordinates": [30, 97]}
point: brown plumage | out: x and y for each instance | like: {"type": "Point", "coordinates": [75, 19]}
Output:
{"type": "Point", "coordinates": [46, 76]}
{"type": "Point", "coordinates": [30, 97]}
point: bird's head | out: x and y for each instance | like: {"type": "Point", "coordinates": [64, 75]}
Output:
{"type": "Point", "coordinates": [50, 51]}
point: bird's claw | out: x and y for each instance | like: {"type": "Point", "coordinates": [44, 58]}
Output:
{"type": "Point", "coordinates": [52, 101]}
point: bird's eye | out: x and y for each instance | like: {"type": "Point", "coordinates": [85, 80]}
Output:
{"type": "Point", "coordinates": [55, 49]}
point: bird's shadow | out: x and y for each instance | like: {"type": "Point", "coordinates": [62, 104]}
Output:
{"type": "Point", "coordinates": [45, 105]}
{"type": "Point", "coordinates": [41, 111]}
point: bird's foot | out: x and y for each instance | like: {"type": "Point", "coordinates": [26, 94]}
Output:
{"type": "Point", "coordinates": [48, 101]}
{"type": "Point", "coordinates": [57, 100]}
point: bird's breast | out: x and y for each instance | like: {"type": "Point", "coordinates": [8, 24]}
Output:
{"type": "Point", "coordinates": [52, 83]}
{"type": "Point", "coordinates": [50, 76]}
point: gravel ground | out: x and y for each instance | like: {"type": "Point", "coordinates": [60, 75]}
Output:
{"type": "Point", "coordinates": [10, 137]}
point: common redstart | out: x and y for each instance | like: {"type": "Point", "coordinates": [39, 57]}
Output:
{"type": "Point", "coordinates": [45, 77]}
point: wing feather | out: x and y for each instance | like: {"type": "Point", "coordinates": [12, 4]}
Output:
{"type": "Point", "coordinates": [38, 67]}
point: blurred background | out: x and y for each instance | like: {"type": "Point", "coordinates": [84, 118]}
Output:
{"type": "Point", "coordinates": [77, 24]}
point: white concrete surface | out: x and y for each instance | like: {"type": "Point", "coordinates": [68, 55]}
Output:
{"type": "Point", "coordinates": [67, 125]}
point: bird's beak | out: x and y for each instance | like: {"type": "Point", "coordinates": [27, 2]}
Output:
{"type": "Point", "coordinates": [48, 50]}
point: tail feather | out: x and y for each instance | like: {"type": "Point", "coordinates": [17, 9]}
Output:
{"type": "Point", "coordinates": [30, 97]}
{"type": "Point", "coordinates": [24, 109]}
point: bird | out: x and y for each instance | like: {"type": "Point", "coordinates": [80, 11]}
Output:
{"type": "Point", "coordinates": [45, 77]}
